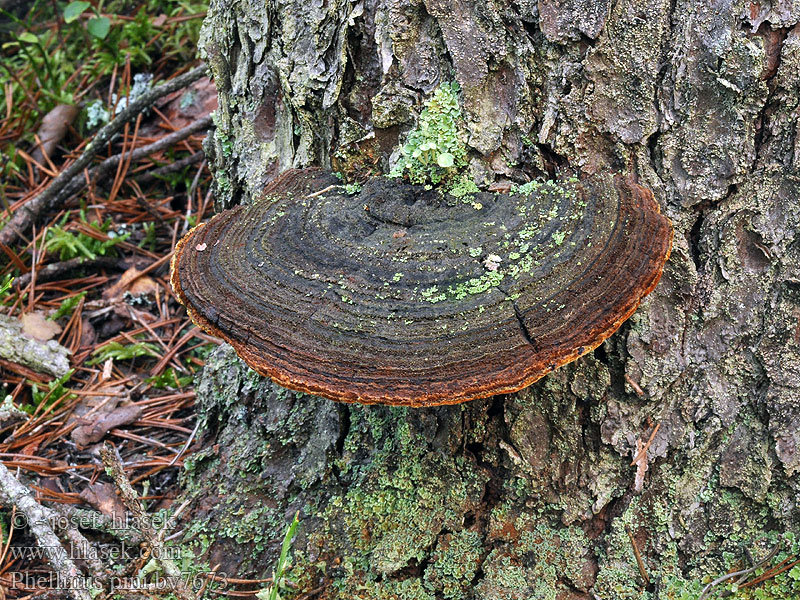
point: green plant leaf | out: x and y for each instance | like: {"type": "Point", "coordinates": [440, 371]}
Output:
{"type": "Point", "coordinates": [28, 38]}
{"type": "Point", "coordinates": [67, 306]}
{"type": "Point", "coordinates": [99, 27]}
{"type": "Point", "coordinates": [74, 10]}
{"type": "Point", "coordinates": [119, 351]}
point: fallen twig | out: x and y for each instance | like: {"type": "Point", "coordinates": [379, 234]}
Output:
{"type": "Point", "coordinates": [153, 538]}
{"type": "Point", "coordinates": [636, 387]}
{"type": "Point", "coordinates": [640, 459]}
{"type": "Point", "coordinates": [322, 191]}
{"type": "Point", "coordinates": [29, 212]}
{"type": "Point", "coordinates": [54, 271]}
{"type": "Point", "coordinates": [172, 167]}
{"type": "Point", "coordinates": [44, 357]}
{"type": "Point", "coordinates": [111, 163]}
{"type": "Point", "coordinates": [38, 519]}
{"type": "Point", "coordinates": [100, 522]}
{"type": "Point", "coordinates": [80, 546]}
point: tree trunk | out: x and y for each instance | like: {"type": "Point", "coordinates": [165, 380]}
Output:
{"type": "Point", "coordinates": [532, 495]}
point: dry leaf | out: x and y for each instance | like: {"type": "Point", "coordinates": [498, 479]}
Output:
{"type": "Point", "coordinates": [94, 432]}
{"type": "Point", "coordinates": [130, 281]}
{"type": "Point", "coordinates": [144, 285]}
{"type": "Point", "coordinates": [36, 325]}
{"type": "Point", "coordinates": [91, 406]}
{"type": "Point", "coordinates": [127, 311]}
{"type": "Point", "coordinates": [88, 333]}
{"type": "Point", "coordinates": [53, 128]}
{"type": "Point", "coordinates": [103, 497]}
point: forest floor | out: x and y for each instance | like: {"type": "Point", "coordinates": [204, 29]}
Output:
{"type": "Point", "coordinates": [89, 277]}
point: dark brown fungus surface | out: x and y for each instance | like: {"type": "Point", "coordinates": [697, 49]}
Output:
{"type": "Point", "coordinates": [401, 295]}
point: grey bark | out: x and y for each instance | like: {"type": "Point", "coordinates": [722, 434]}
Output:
{"type": "Point", "coordinates": [40, 521]}
{"type": "Point", "coordinates": [532, 495]}
{"type": "Point", "coordinates": [45, 357]}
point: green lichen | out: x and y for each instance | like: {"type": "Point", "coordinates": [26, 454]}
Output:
{"type": "Point", "coordinates": [454, 564]}
{"type": "Point", "coordinates": [463, 187]}
{"type": "Point", "coordinates": [352, 188]}
{"type": "Point", "coordinates": [504, 578]}
{"type": "Point", "coordinates": [515, 255]}
{"type": "Point", "coordinates": [394, 509]}
{"type": "Point", "coordinates": [476, 285]}
{"type": "Point", "coordinates": [434, 152]}
{"type": "Point", "coordinates": [395, 524]}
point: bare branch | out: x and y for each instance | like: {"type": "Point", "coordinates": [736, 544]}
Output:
{"type": "Point", "coordinates": [38, 519]}
{"type": "Point", "coordinates": [23, 218]}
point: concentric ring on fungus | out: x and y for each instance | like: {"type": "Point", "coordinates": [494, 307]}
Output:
{"type": "Point", "coordinates": [401, 295]}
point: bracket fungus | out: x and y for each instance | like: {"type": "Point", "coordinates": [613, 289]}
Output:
{"type": "Point", "coordinates": [407, 296]}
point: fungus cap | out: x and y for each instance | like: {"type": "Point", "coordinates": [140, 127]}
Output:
{"type": "Point", "coordinates": [401, 295]}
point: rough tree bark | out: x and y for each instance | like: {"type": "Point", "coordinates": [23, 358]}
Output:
{"type": "Point", "coordinates": [531, 495]}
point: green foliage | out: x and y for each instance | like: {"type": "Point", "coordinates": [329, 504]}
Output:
{"type": "Point", "coordinates": [69, 245]}
{"type": "Point", "coordinates": [352, 188]}
{"type": "Point", "coordinates": [97, 26]}
{"type": "Point", "coordinates": [53, 65]}
{"type": "Point", "coordinates": [5, 287]}
{"type": "Point", "coordinates": [170, 379]}
{"type": "Point", "coordinates": [37, 52]}
{"type": "Point", "coordinates": [55, 390]}
{"type": "Point", "coordinates": [119, 351]}
{"type": "Point", "coordinates": [779, 584]}
{"type": "Point", "coordinates": [433, 151]}
{"type": "Point", "coordinates": [204, 350]}
{"type": "Point", "coordinates": [74, 10]}
{"type": "Point", "coordinates": [149, 238]}
{"type": "Point", "coordinates": [279, 581]}
{"type": "Point", "coordinates": [67, 306]}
